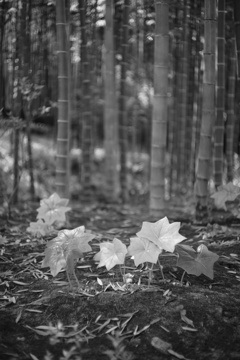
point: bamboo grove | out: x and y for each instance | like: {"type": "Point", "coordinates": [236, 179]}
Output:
{"type": "Point", "coordinates": [129, 76]}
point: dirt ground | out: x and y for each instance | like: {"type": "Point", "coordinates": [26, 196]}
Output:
{"type": "Point", "coordinates": [42, 318]}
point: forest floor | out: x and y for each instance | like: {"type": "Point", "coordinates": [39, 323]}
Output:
{"type": "Point", "coordinates": [41, 318]}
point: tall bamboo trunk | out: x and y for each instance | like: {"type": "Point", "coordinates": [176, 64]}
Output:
{"type": "Point", "coordinates": [231, 81]}
{"type": "Point", "coordinates": [122, 115]}
{"type": "Point", "coordinates": [26, 99]}
{"type": "Point", "coordinates": [87, 149]}
{"type": "Point", "coordinates": [237, 32]}
{"type": "Point", "coordinates": [62, 157]}
{"type": "Point", "coordinates": [160, 106]}
{"type": "Point", "coordinates": [29, 149]}
{"type": "Point", "coordinates": [17, 134]}
{"type": "Point", "coordinates": [236, 4]}
{"type": "Point", "coordinates": [208, 111]}
{"type": "Point", "coordinates": [198, 79]}
{"type": "Point", "coordinates": [110, 113]}
{"type": "Point", "coordinates": [2, 30]}
{"type": "Point", "coordinates": [171, 116]}
{"type": "Point", "coordinates": [16, 167]}
{"type": "Point", "coordinates": [183, 98]}
{"type": "Point", "coordinates": [96, 73]}
{"type": "Point", "coordinates": [176, 84]}
{"type": "Point", "coordinates": [219, 123]}
{"type": "Point", "coordinates": [189, 146]}
{"type": "Point", "coordinates": [138, 55]}
{"type": "Point", "coordinates": [197, 115]}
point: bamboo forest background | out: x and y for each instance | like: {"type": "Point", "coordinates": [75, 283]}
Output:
{"type": "Point", "coordinates": [138, 97]}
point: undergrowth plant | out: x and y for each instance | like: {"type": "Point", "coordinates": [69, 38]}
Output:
{"type": "Point", "coordinates": [75, 337]}
{"type": "Point", "coordinates": [51, 213]}
{"type": "Point", "coordinates": [227, 197]}
{"type": "Point", "coordinates": [147, 246]}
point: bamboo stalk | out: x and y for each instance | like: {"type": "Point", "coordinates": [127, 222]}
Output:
{"type": "Point", "coordinates": [62, 157]}
{"type": "Point", "coordinates": [208, 112]}
{"type": "Point", "coordinates": [219, 123]}
{"type": "Point", "coordinates": [160, 107]}
{"type": "Point", "coordinates": [110, 114]}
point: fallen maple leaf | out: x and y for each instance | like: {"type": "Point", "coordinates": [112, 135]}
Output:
{"type": "Point", "coordinates": [111, 253]}
{"type": "Point", "coordinates": [196, 263]}
{"type": "Point", "coordinates": [52, 209]}
{"type": "Point", "coordinates": [162, 233]}
{"type": "Point", "coordinates": [143, 250]}
{"type": "Point", "coordinates": [68, 246]}
{"type": "Point", "coordinates": [228, 192]}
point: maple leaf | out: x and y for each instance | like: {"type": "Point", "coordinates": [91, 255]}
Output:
{"type": "Point", "coordinates": [3, 240]}
{"type": "Point", "coordinates": [143, 250]}
{"type": "Point", "coordinates": [52, 209]}
{"type": "Point", "coordinates": [162, 233]}
{"type": "Point", "coordinates": [54, 256]}
{"type": "Point", "coordinates": [111, 253]}
{"type": "Point", "coordinates": [228, 192]}
{"type": "Point", "coordinates": [68, 246]}
{"type": "Point", "coordinates": [196, 263]}
{"type": "Point", "coordinates": [75, 249]}
{"type": "Point", "coordinates": [39, 228]}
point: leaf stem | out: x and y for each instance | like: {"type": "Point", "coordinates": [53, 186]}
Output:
{"type": "Point", "coordinates": [160, 267]}
{"type": "Point", "coordinates": [181, 282]}
{"type": "Point", "coordinates": [150, 269]}
{"type": "Point", "coordinates": [123, 273]}
{"type": "Point", "coordinates": [75, 277]}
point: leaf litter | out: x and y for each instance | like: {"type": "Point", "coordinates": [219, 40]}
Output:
{"type": "Point", "coordinates": [25, 280]}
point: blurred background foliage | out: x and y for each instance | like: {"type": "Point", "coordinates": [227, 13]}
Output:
{"type": "Point", "coordinates": [28, 74]}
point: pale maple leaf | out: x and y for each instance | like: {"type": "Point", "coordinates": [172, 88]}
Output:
{"type": "Point", "coordinates": [39, 228]}
{"type": "Point", "coordinates": [68, 246]}
{"type": "Point", "coordinates": [236, 212]}
{"type": "Point", "coordinates": [66, 236]}
{"type": "Point", "coordinates": [3, 240]}
{"type": "Point", "coordinates": [111, 253]}
{"type": "Point", "coordinates": [55, 260]}
{"type": "Point", "coordinates": [228, 192]}
{"type": "Point", "coordinates": [162, 233]}
{"type": "Point", "coordinates": [143, 250]}
{"type": "Point", "coordinates": [52, 209]}
{"type": "Point", "coordinates": [196, 263]}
